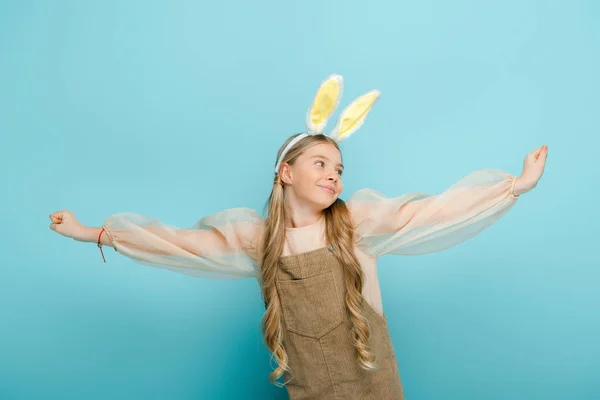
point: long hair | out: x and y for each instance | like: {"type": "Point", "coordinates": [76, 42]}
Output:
{"type": "Point", "coordinates": [340, 234]}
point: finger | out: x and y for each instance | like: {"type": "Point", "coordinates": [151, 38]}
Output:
{"type": "Point", "coordinates": [58, 216]}
{"type": "Point", "coordinates": [532, 155]}
{"type": "Point", "coordinates": [543, 154]}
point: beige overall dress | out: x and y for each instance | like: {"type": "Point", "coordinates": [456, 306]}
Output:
{"type": "Point", "coordinates": [317, 334]}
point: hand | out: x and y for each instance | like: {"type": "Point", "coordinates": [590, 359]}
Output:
{"type": "Point", "coordinates": [533, 169]}
{"type": "Point", "coordinates": [65, 223]}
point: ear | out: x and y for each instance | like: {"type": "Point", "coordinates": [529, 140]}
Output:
{"type": "Point", "coordinates": [285, 173]}
{"type": "Point", "coordinates": [354, 116]}
{"type": "Point", "coordinates": [324, 104]}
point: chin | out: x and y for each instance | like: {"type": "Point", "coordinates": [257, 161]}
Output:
{"type": "Point", "coordinates": [326, 204]}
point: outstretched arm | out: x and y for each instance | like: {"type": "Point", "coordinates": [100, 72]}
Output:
{"type": "Point", "coordinates": [419, 223]}
{"type": "Point", "coordinates": [219, 246]}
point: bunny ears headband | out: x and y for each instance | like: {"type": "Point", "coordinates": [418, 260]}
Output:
{"type": "Point", "coordinates": [324, 104]}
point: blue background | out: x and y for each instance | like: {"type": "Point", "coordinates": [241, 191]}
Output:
{"type": "Point", "coordinates": [176, 110]}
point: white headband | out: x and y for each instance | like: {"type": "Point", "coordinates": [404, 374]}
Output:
{"type": "Point", "coordinates": [324, 104]}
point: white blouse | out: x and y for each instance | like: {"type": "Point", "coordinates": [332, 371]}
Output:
{"type": "Point", "coordinates": [224, 245]}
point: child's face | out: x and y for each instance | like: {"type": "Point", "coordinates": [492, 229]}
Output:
{"type": "Point", "coordinates": [316, 177]}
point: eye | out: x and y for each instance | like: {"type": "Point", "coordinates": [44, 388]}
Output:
{"type": "Point", "coordinates": [320, 162]}
{"type": "Point", "coordinates": [340, 172]}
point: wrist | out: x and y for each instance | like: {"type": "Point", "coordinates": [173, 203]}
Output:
{"type": "Point", "coordinates": [86, 234]}
{"type": "Point", "coordinates": [521, 186]}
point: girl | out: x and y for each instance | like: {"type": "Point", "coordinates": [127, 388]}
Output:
{"type": "Point", "coordinates": [315, 255]}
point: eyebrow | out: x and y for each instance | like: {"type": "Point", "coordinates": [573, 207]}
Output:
{"type": "Point", "coordinates": [328, 159]}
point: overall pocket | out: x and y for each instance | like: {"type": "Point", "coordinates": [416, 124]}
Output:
{"type": "Point", "coordinates": [310, 306]}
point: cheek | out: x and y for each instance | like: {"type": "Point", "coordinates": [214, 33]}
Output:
{"type": "Point", "coordinates": [306, 182]}
{"type": "Point", "coordinates": [313, 176]}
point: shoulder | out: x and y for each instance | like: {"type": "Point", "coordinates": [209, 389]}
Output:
{"type": "Point", "coordinates": [242, 225]}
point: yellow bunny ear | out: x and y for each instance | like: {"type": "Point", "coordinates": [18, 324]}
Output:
{"type": "Point", "coordinates": [354, 116]}
{"type": "Point", "coordinates": [324, 104]}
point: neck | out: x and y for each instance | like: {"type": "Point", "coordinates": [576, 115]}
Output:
{"type": "Point", "coordinates": [298, 216]}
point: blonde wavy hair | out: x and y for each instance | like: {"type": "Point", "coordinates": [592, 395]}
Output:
{"type": "Point", "coordinates": [340, 234]}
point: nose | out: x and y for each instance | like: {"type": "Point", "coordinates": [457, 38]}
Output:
{"type": "Point", "coordinates": [333, 177]}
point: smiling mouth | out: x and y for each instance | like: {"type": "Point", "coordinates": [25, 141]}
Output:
{"type": "Point", "coordinates": [328, 190]}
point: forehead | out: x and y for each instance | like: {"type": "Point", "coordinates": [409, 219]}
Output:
{"type": "Point", "coordinates": [323, 149]}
